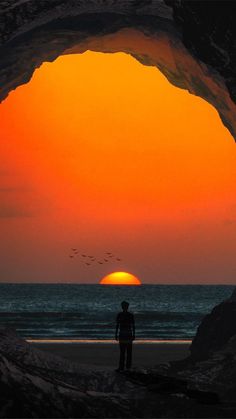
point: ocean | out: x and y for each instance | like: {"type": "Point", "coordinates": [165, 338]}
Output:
{"type": "Point", "coordinates": [68, 311]}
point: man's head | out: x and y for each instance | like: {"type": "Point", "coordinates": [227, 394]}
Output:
{"type": "Point", "coordinates": [125, 305]}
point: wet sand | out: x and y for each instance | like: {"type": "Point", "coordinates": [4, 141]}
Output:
{"type": "Point", "coordinates": [107, 354]}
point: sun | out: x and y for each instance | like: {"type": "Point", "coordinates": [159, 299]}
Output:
{"type": "Point", "coordinates": [120, 278]}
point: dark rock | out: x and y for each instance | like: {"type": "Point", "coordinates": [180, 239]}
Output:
{"type": "Point", "coordinates": [35, 384]}
{"type": "Point", "coordinates": [158, 382]}
{"type": "Point", "coordinates": [214, 331]}
{"type": "Point", "coordinates": [209, 31]}
{"type": "Point", "coordinates": [233, 296]}
{"type": "Point", "coordinates": [172, 385]}
{"type": "Point", "coordinates": [204, 397]}
{"type": "Point", "coordinates": [215, 374]}
{"type": "Point", "coordinates": [212, 364]}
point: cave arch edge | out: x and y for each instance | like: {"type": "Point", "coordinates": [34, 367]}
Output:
{"type": "Point", "coordinates": [150, 39]}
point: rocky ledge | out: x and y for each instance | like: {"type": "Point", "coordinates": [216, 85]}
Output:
{"type": "Point", "coordinates": [215, 330]}
{"type": "Point", "coordinates": [212, 363]}
{"type": "Point", "coordinates": [36, 384]}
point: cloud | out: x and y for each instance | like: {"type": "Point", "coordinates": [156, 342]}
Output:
{"type": "Point", "coordinates": [13, 211]}
{"type": "Point", "coordinates": [13, 202]}
{"type": "Point", "coordinates": [22, 201]}
{"type": "Point", "coordinates": [8, 189]}
{"type": "Point", "coordinates": [229, 222]}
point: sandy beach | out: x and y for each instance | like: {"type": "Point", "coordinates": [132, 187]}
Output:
{"type": "Point", "coordinates": [106, 354]}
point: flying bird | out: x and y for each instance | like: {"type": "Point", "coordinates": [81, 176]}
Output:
{"type": "Point", "coordinates": [101, 263]}
{"type": "Point", "coordinates": [118, 259]}
{"type": "Point", "coordinates": [84, 256]}
{"type": "Point", "coordinates": [87, 263]}
{"type": "Point", "coordinates": [106, 260]}
{"type": "Point", "coordinates": [73, 249]}
{"type": "Point", "coordinates": [71, 256]}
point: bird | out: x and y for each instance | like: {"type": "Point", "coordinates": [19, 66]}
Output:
{"type": "Point", "coordinates": [106, 260]}
{"type": "Point", "coordinates": [87, 263]}
{"type": "Point", "coordinates": [71, 256]}
{"type": "Point", "coordinates": [108, 253]}
{"type": "Point", "coordinates": [90, 257]}
{"type": "Point", "coordinates": [101, 263]}
{"type": "Point", "coordinates": [84, 256]}
{"type": "Point", "coordinates": [73, 249]}
{"type": "Point", "coordinates": [118, 259]}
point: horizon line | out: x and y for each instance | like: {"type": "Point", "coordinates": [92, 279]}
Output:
{"type": "Point", "coordinates": [113, 285]}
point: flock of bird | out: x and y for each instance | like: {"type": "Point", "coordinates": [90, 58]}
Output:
{"type": "Point", "coordinates": [90, 259]}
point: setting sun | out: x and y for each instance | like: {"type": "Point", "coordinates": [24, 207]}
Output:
{"type": "Point", "coordinates": [120, 278]}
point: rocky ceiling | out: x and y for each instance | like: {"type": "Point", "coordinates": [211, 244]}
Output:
{"type": "Point", "coordinates": [192, 42]}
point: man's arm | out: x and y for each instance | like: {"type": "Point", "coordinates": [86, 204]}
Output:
{"type": "Point", "coordinates": [117, 326]}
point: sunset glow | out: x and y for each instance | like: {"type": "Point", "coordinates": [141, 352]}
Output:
{"type": "Point", "coordinates": [100, 152]}
{"type": "Point", "coordinates": [120, 278]}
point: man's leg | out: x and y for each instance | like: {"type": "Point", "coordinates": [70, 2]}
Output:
{"type": "Point", "coordinates": [122, 356]}
{"type": "Point", "coordinates": [129, 355]}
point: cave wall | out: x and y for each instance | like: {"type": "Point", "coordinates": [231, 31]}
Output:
{"type": "Point", "coordinates": [209, 31]}
{"type": "Point", "coordinates": [198, 34]}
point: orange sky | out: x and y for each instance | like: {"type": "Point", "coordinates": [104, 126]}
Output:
{"type": "Point", "coordinates": [100, 152]}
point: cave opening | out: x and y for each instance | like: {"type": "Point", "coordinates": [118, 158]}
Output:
{"type": "Point", "coordinates": [116, 157]}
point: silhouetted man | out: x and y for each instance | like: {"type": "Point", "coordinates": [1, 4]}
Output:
{"type": "Point", "coordinates": [126, 327]}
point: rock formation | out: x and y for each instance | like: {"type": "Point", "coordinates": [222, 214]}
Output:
{"type": "Point", "coordinates": [208, 30]}
{"type": "Point", "coordinates": [215, 330]}
{"type": "Point", "coordinates": [173, 35]}
{"type": "Point", "coordinates": [215, 374]}
{"type": "Point", "coordinates": [233, 296]}
{"type": "Point", "coordinates": [36, 384]}
{"type": "Point", "coordinates": [212, 364]}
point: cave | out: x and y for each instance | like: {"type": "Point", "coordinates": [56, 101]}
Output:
{"type": "Point", "coordinates": [174, 36]}
{"type": "Point", "coordinates": [195, 51]}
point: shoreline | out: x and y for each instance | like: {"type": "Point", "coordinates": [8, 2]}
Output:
{"type": "Point", "coordinates": [110, 341]}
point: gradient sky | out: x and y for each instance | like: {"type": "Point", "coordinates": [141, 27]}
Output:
{"type": "Point", "coordinates": [102, 153]}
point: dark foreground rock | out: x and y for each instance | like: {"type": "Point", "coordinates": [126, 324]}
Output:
{"type": "Point", "coordinates": [216, 374]}
{"type": "Point", "coordinates": [35, 384]}
{"type": "Point", "coordinates": [212, 364]}
{"type": "Point", "coordinates": [215, 330]}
